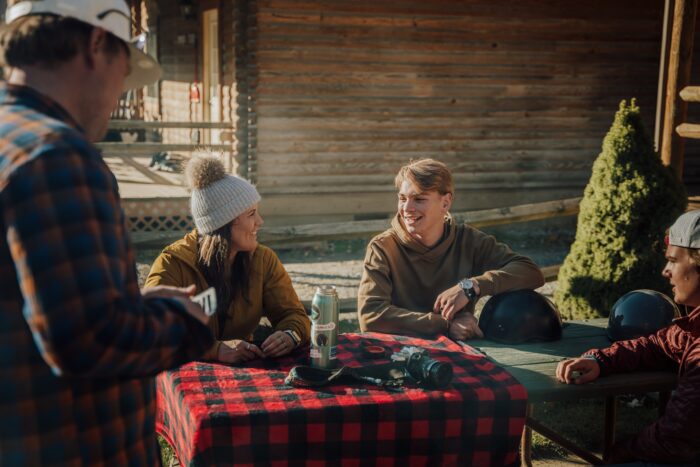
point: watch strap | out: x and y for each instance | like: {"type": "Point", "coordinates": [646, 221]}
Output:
{"type": "Point", "coordinates": [469, 290]}
{"type": "Point", "coordinates": [295, 337]}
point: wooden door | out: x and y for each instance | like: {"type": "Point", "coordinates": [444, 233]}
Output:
{"type": "Point", "coordinates": [212, 75]}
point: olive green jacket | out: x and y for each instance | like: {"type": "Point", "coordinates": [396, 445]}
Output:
{"type": "Point", "coordinates": [270, 292]}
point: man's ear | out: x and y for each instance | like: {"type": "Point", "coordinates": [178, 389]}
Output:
{"type": "Point", "coordinates": [95, 46]}
{"type": "Point", "coordinates": [447, 201]}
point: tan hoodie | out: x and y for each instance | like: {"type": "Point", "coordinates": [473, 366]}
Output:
{"type": "Point", "coordinates": [402, 277]}
{"type": "Point", "coordinates": [270, 291]}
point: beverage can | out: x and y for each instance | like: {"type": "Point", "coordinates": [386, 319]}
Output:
{"type": "Point", "coordinates": [324, 327]}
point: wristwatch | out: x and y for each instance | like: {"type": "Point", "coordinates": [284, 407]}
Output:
{"type": "Point", "coordinates": [295, 337]}
{"type": "Point", "coordinates": [468, 287]}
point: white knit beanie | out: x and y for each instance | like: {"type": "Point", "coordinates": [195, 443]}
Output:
{"type": "Point", "coordinates": [217, 198]}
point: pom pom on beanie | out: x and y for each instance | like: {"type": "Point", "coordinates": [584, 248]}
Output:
{"type": "Point", "coordinates": [203, 170]}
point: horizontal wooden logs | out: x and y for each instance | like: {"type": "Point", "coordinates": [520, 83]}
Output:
{"type": "Point", "coordinates": [130, 148]}
{"type": "Point", "coordinates": [482, 218]}
{"type": "Point", "coordinates": [689, 130]}
{"type": "Point", "coordinates": [334, 96]}
{"type": "Point", "coordinates": [690, 94]}
{"type": "Point", "coordinates": [140, 124]}
{"type": "Point", "coordinates": [596, 10]}
{"type": "Point", "coordinates": [551, 273]}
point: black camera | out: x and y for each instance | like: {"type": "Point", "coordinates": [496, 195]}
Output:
{"type": "Point", "coordinates": [429, 372]}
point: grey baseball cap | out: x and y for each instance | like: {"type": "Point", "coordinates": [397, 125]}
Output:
{"type": "Point", "coordinates": [113, 16]}
{"type": "Point", "coordinates": [685, 232]}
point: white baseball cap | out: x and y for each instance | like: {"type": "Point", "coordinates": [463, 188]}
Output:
{"type": "Point", "coordinates": [113, 16]}
{"type": "Point", "coordinates": [685, 232]}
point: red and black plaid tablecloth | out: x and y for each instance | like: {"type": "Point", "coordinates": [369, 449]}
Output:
{"type": "Point", "coordinates": [223, 415]}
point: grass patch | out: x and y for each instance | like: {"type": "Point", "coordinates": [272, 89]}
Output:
{"type": "Point", "coordinates": [167, 454]}
{"type": "Point", "coordinates": [583, 423]}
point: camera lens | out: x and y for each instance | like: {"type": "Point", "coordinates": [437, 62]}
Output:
{"type": "Point", "coordinates": [429, 372]}
{"type": "Point", "coordinates": [438, 374]}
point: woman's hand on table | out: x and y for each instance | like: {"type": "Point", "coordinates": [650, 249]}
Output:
{"type": "Point", "coordinates": [241, 352]}
{"type": "Point", "coordinates": [464, 326]}
{"type": "Point", "coordinates": [578, 370]}
{"type": "Point", "coordinates": [277, 344]}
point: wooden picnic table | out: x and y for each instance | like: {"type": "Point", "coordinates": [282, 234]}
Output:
{"type": "Point", "coordinates": [216, 414]}
{"type": "Point", "coordinates": [534, 365]}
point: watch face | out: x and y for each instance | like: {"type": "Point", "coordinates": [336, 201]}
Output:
{"type": "Point", "coordinates": [468, 287]}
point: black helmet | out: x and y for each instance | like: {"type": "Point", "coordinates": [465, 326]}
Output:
{"type": "Point", "coordinates": [640, 313]}
{"type": "Point", "coordinates": [520, 316]}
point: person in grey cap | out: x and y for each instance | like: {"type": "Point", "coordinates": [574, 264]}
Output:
{"type": "Point", "coordinates": [80, 345]}
{"type": "Point", "coordinates": [223, 252]}
{"type": "Point", "coordinates": [673, 438]}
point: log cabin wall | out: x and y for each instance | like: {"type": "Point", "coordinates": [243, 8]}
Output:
{"type": "Point", "coordinates": [514, 96]}
{"type": "Point", "coordinates": [328, 99]}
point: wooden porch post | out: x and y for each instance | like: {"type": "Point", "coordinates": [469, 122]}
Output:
{"type": "Point", "coordinates": [663, 72]}
{"type": "Point", "coordinates": [245, 27]}
{"type": "Point", "coordinates": [678, 77]}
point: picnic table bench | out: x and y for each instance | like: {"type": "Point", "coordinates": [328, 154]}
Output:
{"type": "Point", "coordinates": [534, 366]}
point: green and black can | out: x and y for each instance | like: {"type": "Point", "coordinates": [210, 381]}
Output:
{"type": "Point", "coordinates": [324, 327]}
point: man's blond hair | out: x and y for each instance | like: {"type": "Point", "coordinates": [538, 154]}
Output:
{"type": "Point", "coordinates": [426, 174]}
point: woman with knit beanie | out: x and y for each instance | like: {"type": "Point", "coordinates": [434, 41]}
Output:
{"type": "Point", "coordinates": [223, 252]}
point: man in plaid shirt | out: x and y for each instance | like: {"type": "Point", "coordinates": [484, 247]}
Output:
{"type": "Point", "coordinates": [79, 343]}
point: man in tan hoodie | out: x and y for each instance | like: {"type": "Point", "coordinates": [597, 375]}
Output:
{"type": "Point", "coordinates": [424, 274]}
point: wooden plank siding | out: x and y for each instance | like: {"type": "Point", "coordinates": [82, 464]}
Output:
{"type": "Point", "coordinates": [327, 99]}
{"type": "Point", "coordinates": [514, 96]}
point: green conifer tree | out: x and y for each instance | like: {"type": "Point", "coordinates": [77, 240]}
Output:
{"type": "Point", "coordinates": [629, 202]}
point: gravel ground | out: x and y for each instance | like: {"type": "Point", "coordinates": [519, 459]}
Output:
{"type": "Point", "coordinates": [339, 262]}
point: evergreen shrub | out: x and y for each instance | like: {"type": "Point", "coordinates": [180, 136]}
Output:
{"type": "Point", "coordinates": [629, 202]}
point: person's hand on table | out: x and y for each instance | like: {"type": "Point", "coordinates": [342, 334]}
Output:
{"type": "Point", "coordinates": [587, 370]}
{"type": "Point", "coordinates": [464, 326]}
{"type": "Point", "coordinates": [241, 352]}
{"type": "Point", "coordinates": [277, 344]}
{"type": "Point", "coordinates": [452, 300]}
{"type": "Point", "coordinates": [182, 295]}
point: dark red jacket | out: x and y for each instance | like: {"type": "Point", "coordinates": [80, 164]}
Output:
{"type": "Point", "coordinates": [675, 436]}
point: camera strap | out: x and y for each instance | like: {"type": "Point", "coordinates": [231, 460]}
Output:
{"type": "Point", "coordinates": [387, 375]}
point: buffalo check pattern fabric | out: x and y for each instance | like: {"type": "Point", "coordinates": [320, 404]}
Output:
{"type": "Point", "coordinates": [79, 345]}
{"type": "Point", "coordinates": [222, 415]}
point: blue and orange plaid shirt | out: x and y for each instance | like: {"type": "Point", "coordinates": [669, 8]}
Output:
{"type": "Point", "coordinates": [79, 345]}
